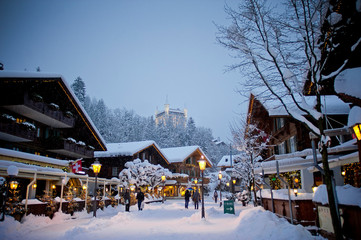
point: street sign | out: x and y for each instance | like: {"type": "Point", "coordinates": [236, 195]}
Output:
{"type": "Point", "coordinates": [229, 207]}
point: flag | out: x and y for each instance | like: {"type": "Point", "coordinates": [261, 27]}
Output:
{"type": "Point", "coordinates": [76, 166]}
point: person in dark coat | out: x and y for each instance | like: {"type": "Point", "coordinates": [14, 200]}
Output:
{"type": "Point", "coordinates": [140, 198]}
{"type": "Point", "coordinates": [187, 195]}
{"type": "Point", "coordinates": [215, 195]}
{"type": "Point", "coordinates": [127, 200]}
{"type": "Point", "coordinates": [196, 198]}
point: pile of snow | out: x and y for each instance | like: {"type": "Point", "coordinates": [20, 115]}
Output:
{"type": "Point", "coordinates": [347, 195]}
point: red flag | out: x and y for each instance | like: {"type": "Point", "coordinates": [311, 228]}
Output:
{"type": "Point", "coordinates": [76, 166]}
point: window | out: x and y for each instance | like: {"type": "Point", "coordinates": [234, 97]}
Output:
{"type": "Point", "coordinates": [188, 161]}
{"type": "Point", "coordinates": [293, 144]}
{"type": "Point", "coordinates": [279, 123]}
{"type": "Point", "coordinates": [281, 148]}
{"type": "Point", "coordinates": [114, 171]}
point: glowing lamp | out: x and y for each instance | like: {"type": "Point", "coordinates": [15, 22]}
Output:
{"type": "Point", "coordinates": [202, 164]}
{"type": "Point", "coordinates": [132, 188]}
{"type": "Point", "coordinates": [234, 181]}
{"type": "Point", "coordinates": [343, 173]}
{"type": "Point", "coordinates": [220, 175]}
{"type": "Point", "coordinates": [295, 191]}
{"type": "Point", "coordinates": [96, 167]}
{"type": "Point", "coordinates": [227, 184]}
{"type": "Point", "coordinates": [357, 130]}
{"type": "Point", "coordinates": [84, 187]}
{"type": "Point", "coordinates": [196, 181]}
{"type": "Point", "coordinates": [314, 188]}
{"type": "Point", "coordinates": [296, 180]}
{"type": "Point", "coordinates": [35, 185]}
{"type": "Point", "coordinates": [14, 185]}
{"type": "Point", "coordinates": [163, 178]}
{"type": "Point", "coordinates": [53, 186]}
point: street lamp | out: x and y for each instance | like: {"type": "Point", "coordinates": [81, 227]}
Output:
{"type": "Point", "coordinates": [295, 191]}
{"type": "Point", "coordinates": [163, 181]}
{"type": "Point", "coordinates": [12, 171]}
{"type": "Point", "coordinates": [202, 166]}
{"type": "Point", "coordinates": [357, 131]}
{"type": "Point", "coordinates": [96, 168]}
{"type": "Point", "coordinates": [220, 188]}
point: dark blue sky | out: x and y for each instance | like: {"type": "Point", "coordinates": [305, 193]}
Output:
{"type": "Point", "coordinates": [130, 53]}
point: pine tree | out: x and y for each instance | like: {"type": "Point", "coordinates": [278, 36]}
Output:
{"type": "Point", "coordinates": [79, 89]}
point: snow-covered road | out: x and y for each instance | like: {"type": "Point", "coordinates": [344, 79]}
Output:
{"type": "Point", "coordinates": [157, 221]}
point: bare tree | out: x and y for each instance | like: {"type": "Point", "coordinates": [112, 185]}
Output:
{"type": "Point", "coordinates": [279, 49]}
{"type": "Point", "coordinates": [252, 141]}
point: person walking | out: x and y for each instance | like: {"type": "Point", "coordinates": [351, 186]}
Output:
{"type": "Point", "coordinates": [187, 195]}
{"type": "Point", "coordinates": [215, 195]}
{"type": "Point", "coordinates": [196, 198]}
{"type": "Point", "coordinates": [127, 200]}
{"type": "Point", "coordinates": [140, 198]}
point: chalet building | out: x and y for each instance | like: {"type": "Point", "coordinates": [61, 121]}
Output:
{"type": "Point", "coordinates": [185, 168]}
{"type": "Point", "coordinates": [290, 143]}
{"type": "Point", "coordinates": [118, 154]}
{"type": "Point", "coordinates": [176, 117]}
{"type": "Point", "coordinates": [227, 162]}
{"type": "Point", "coordinates": [43, 128]}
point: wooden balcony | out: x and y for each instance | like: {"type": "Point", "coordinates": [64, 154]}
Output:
{"type": "Point", "coordinates": [15, 132]}
{"type": "Point", "coordinates": [39, 111]}
{"type": "Point", "coordinates": [68, 148]}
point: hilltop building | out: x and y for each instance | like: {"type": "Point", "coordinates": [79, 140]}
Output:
{"type": "Point", "coordinates": [175, 116]}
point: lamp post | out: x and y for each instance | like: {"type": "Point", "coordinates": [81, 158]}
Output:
{"type": "Point", "coordinates": [233, 186]}
{"type": "Point", "coordinates": [202, 166]}
{"type": "Point", "coordinates": [357, 131]}
{"type": "Point", "coordinates": [12, 171]}
{"type": "Point", "coordinates": [220, 188]}
{"type": "Point", "coordinates": [163, 181]}
{"type": "Point", "coordinates": [96, 168]}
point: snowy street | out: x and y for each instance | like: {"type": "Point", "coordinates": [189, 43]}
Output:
{"type": "Point", "coordinates": [157, 221]}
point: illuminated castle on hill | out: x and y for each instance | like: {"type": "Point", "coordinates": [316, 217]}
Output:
{"type": "Point", "coordinates": [175, 116]}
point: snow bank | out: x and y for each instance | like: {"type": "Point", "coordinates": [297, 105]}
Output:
{"type": "Point", "coordinates": [347, 195]}
{"type": "Point", "coordinates": [257, 223]}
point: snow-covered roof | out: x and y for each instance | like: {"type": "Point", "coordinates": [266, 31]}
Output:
{"type": "Point", "coordinates": [44, 76]}
{"type": "Point", "coordinates": [226, 160]}
{"type": "Point", "coordinates": [331, 105]}
{"type": "Point", "coordinates": [348, 82]}
{"type": "Point", "coordinates": [125, 149]}
{"type": "Point", "coordinates": [33, 157]}
{"type": "Point", "coordinates": [179, 154]}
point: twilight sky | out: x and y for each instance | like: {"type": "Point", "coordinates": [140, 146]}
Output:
{"type": "Point", "coordinates": [130, 53]}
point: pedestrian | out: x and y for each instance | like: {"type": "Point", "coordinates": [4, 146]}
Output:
{"type": "Point", "coordinates": [215, 195]}
{"type": "Point", "coordinates": [127, 200]}
{"type": "Point", "coordinates": [187, 195]}
{"type": "Point", "coordinates": [196, 198]}
{"type": "Point", "coordinates": [140, 198]}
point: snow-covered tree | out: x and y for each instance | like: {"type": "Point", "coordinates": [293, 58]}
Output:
{"type": "Point", "coordinates": [143, 174]}
{"type": "Point", "coordinates": [79, 89]}
{"type": "Point", "coordinates": [252, 142]}
{"type": "Point", "coordinates": [279, 49]}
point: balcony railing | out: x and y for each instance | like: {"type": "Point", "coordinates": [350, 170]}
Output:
{"type": "Point", "coordinates": [69, 148]}
{"type": "Point", "coordinates": [49, 111]}
{"type": "Point", "coordinates": [17, 132]}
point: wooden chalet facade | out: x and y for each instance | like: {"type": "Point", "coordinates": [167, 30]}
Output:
{"type": "Point", "coordinates": [43, 128]}
{"type": "Point", "coordinates": [118, 154]}
{"type": "Point", "coordinates": [185, 168]}
{"type": "Point", "coordinates": [40, 115]}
